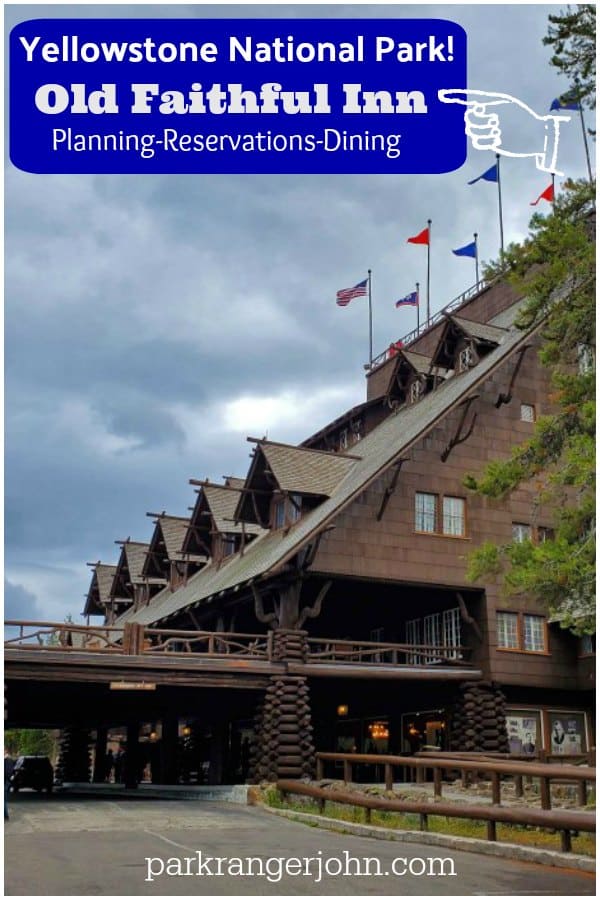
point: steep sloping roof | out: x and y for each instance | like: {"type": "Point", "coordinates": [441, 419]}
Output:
{"type": "Point", "coordinates": [379, 449]}
{"type": "Point", "coordinates": [421, 363]}
{"type": "Point", "coordinates": [303, 471]}
{"type": "Point", "coordinates": [99, 593]}
{"type": "Point", "coordinates": [480, 331]}
{"type": "Point", "coordinates": [173, 531]}
{"type": "Point", "coordinates": [222, 503]}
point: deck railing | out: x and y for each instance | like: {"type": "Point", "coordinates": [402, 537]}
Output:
{"type": "Point", "coordinates": [136, 639]}
{"type": "Point", "coordinates": [379, 653]}
{"type": "Point", "coordinates": [435, 318]}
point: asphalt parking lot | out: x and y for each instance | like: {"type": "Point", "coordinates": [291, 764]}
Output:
{"type": "Point", "coordinates": [91, 846]}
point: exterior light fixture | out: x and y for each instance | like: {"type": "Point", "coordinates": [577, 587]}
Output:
{"type": "Point", "coordinates": [342, 710]}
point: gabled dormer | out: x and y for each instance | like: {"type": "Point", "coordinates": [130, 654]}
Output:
{"type": "Point", "coordinates": [97, 601]}
{"type": "Point", "coordinates": [212, 529]}
{"type": "Point", "coordinates": [165, 563]}
{"type": "Point", "coordinates": [463, 343]}
{"type": "Point", "coordinates": [413, 376]}
{"type": "Point", "coordinates": [286, 481]}
{"type": "Point", "coordinates": [129, 586]}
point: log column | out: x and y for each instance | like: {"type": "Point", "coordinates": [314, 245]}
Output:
{"type": "Point", "coordinates": [131, 773]}
{"type": "Point", "coordinates": [100, 755]}
{"type": "Point", "coordinates": [74, 759]}
{"type": "Point", "coordinates": [478, 720]}
{"type": "Point", "coordinates": [283, 730]}
{"type": "Point", "coordinates": [169, 750]}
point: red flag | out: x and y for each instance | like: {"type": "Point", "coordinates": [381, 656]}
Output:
{"type": "Point", "coordinates": [548, 195]}
{"type": "Point", "coordinates": [421, 238]}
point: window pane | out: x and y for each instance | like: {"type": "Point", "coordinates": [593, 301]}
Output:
{"type": "Point", "coordinates": [527, 412]}
{"type": "Point", "coordinates": [507, 627]}
{"type": "Point", "coordinates": [279, 513]}
{"type": "Point", "coordinates": [533, 628]}
{"type": "Point", "coordinates": [451, 619]}
{"type": "Point", "coordinates": [520, 532]}
{"type": "Point", "coordinates": [454, 515]}
{"type": "Point", "coordinates": [432, 634]}
{"type": "Point", "coordinates": [425, 512]}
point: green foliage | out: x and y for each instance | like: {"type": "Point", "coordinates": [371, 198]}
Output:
{"type": "Point", "coordinates": [555, 269]}
{"type": "Point", "coordinates": [29, 742]}
{"type": "Point", "coordinates": [572, 36]}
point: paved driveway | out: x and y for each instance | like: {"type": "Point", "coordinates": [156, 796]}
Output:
{"type": "Point", "coordinates": [94, 846]}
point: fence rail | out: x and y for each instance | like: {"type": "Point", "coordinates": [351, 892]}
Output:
{"type": "Point", "coordinates": [565, 821]}
{"type": "Point", "coordinates": [544, 772]}
{"type": "Point", "coordinates": [136, 639]}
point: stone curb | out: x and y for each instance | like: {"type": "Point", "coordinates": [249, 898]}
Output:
{"type": "Point", "coordinates": [467, 845]}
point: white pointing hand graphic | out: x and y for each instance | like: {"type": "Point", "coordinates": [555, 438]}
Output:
{"type": "Point", "coordinates": [485, 129]}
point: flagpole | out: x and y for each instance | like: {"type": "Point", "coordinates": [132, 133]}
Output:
{"type": "Point", "coordinates": [553, 192]}
{"type": "Point", "coordinates": [500, 209]}
{"type": "Point", "coordinates": [476, 261]}
{"type": "Point", "coordinates": [370, 322]}
{"type": "Point", "coordinates": [418, 303]}
{"type": "Point", "coordinates": [583, 131]}
{"type": "Point", "coordinates": [428, 267]}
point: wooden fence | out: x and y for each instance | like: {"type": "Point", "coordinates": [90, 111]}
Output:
{"type": "Point", "coordinates": [564, 821]}
{"type": "Point", "coordinates": [545, 773]}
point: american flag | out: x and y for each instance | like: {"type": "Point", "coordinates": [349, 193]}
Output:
{"type": "Point", "coordinates": [344, 296]}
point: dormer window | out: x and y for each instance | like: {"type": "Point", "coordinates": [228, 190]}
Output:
{"type": "Point", "coordinates": [279, 514]}
{"type": "Point", "coordinates": [466, 359]}
{"type": "Point", "coordinates": [416, 391]}
{"type": "Point", "coordinates": [228, 545]}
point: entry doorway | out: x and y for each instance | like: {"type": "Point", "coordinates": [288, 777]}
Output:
{"type": "Point", "coordinates": [425, 729]}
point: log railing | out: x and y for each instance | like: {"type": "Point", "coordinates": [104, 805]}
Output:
{"type": "Point", "coordinates": [133, 638]}
{"type": "Point", "coordinates": [545, 773]}
{"type": "Point", "coordinates": [564, 821]}
{"type": "Point", "coordinates": [63, 636]}
{"type": "Point", "coordinates": [378, 653]}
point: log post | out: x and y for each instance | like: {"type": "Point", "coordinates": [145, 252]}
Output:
{"type": "Point", "coordinates": [437, 782]}
{"type": "Point", "coordinates": [491, 830]}
{"type": "Point", "coordinates": [545, 793]}
{"type": "Point", "coordinates": [131, 755]}
{"type": "Point", "coordinates": [283, 740]}
{"type": "Point", "coordinates": [169, 747]}
{"type": "Point", "coordinates": [347, 771]}
{"type": "Point", "coordinates": [389, 777]}
{"type": "Point", "coordinates": [496, 799]}
{"type": "Point", "coordinates": [100, 755]}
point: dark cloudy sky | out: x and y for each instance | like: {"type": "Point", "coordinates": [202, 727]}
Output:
{"type": "Point", "coordinates": [153, 322]}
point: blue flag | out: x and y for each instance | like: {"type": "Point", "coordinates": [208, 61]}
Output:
{"type": "Point", "coordinates": [490, 174]}
{"type": "Point", "coordinates": [409, 300]}
{"type": "Point", "coordinates": [564, 102]}
{"type": "Point", "coordinates": [467, 250]}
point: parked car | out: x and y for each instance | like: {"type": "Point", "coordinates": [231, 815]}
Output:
{"type": "Point", "coordinates": [33, 772]}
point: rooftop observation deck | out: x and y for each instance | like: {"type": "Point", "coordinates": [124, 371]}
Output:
{"type": "Point", "coordinates": [416, 333]}
{"type": "Point", "coordinates": [82, 652]}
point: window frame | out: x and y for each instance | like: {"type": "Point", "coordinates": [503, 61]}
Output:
{"type": "Point", "coordinates": [425, 513]}
{"type": "Point", "coordinates": [520, 632]}
{"type": "Point", "coordinates": [521, 525]}
{"type": "Point", "coordinates": [439, 516]}
{"type": "Point", "coordinates": [533, 409]}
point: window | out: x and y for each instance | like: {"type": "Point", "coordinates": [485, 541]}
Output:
{"type": "Point", "coordinates": [228, 544]}
{"type": "Point", "coordinates": [454, 516]}
{"type": "Point", "coordinates": [521, 532]}
{"type": "Point", "coordinates": [416, 390]}
{"type": "Point", "coordinates": [294, 507]}
{"type": "Point", "coordinates": [533, 633]}
{"type": "Point", "coordinates": [426, 512]}
{"type": "Point", "coordinates": [451, 623]}
{"type": "Point", "coordinates": [466, 359]}
{"type": "Point", "coordinates": [544, 534]}
{"type": "Point", "coordinates": [527, 412]}
{"type": "Point", "coordinates": [343, 439]}
{"type": "Point", "coordinates": [521, 631]}
{"type": "Point", "coordinates": [279, 516]}
{"type": "Point", "coordinates": [508, 630]}
{"type": "Point", "coordinates": [586, 359]}
{"type": "Point", "coordinates": [432, 634]}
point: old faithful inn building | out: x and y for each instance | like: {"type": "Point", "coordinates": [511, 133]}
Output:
{"type": "Point", "coordinates": [321, 602]}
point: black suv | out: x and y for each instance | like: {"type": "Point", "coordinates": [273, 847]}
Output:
{"type": "Point", "coordinates": [33, 772]}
